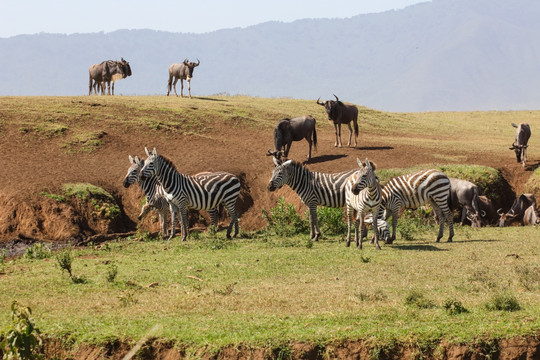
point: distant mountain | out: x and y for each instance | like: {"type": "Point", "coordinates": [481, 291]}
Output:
{"type": "Point", "coordinates": [439, 55]}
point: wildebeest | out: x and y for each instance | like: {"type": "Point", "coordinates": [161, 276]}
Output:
{"type": "Point", "coordinates": [523, 133]}
{"type": "Point", "coordinates": [517, 211]}
{"type": "Point", "coordinates": [296, 129]}
{"type": "Point", "coordinates": [464, 197]}
{"type": "Point", "coordinates": [530, 217]}
{"type": "Point", "coordinates": [182, 71]}
{"type": "Point", "coordinates": [339, 113]}
{"type": "Point", "coordinates": [105, 72]}
{"type": "Point", "coordinates": [487, 215]}
{"type": "Point", "coordinates": [118, 71]}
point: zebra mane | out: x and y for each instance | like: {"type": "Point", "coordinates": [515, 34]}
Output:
{"type": "Point", "coordinates": [168, 162]}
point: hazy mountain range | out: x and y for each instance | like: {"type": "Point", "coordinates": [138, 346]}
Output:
{"type": "Point", "coordinates": [439, 55]}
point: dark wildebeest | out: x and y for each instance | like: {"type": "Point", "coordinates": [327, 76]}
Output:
{"type": "Point", "coordinates": [118, 70]}
{"type": "Point", "coordinates": [339, 113]}
{"type": "Point", "coordinates": [523, 133]}
{"type": "Point", "coordinates": [289, 130]}
{"type": "Point", "coordinates": [517, 211]}
{"type": "Point", "coordinates": [487, 215]}
{"type": "Point", "coordinates": [105, 72]}
{"type": "Point", "coordinates": [182, 71]}
{"type": "Point", "coordinates": [465, 197]}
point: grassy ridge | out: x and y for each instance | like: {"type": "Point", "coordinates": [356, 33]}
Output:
{"type": "Point", "coordinates": [263, 290]}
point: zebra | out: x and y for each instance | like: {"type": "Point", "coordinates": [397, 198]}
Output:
{"type": "Point", "coordinates": [413, 190]}
{"type": "Point", "coordinates": [156, 198]}
{"type": "Point", "coordinates": [314, 188]}
{"type": "Point", "coordinates": [363, 194]}
{"type": "Point", "coordinates": [203, 191]}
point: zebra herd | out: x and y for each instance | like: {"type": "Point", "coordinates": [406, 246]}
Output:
{"type": "Point", "coordinates": [169, 191]}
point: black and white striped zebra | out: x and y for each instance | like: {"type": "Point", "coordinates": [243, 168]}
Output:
{"type": "Point", "coordinates": [155, 195]}
{"type": "Point", "coordinates": [203, 191]}
{"type": "Point", "coordinates": [414, 190]}
{"type": "Point", "coordinates": [363, 195]}
{"type": "Point", "coordinates": [314, 188]}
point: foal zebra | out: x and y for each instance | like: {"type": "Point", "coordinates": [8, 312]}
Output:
{"type": "Point", "coordinates": [155, 195]}
{"type": "Point", "coordinates": [417, 189]}
{"type": "Point", "coordinates": [363, 194]}
{"type": "Point", "coordinates": [203, 191]}
{"type": "Point", "coordinates": [313, 188]}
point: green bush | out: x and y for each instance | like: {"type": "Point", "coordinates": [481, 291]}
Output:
{"type": "Point", "coordinates": [503, 302]}
{"type": "Point", "coordinates": [37, 251]}
{"type": "Point", "coordinates": [283, 219]}
{"type": "Point", "coordinates": [23, 341]}
{"type": "Point", "coordinates": [331, 221]}
{"type": "Point", "coordinates": [417, 299]}
{"type": "Point", "coordinates": [454, 307]}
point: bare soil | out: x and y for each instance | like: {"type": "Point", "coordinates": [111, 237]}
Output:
{"type": "Point", "coordinates": [33, 165]}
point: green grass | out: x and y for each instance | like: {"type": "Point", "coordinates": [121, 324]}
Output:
{"type": "Point", "coordinates": [264, 290]}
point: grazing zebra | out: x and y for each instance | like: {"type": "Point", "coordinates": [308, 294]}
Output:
{"type": "Point", "coordinates": [203, 191]}
{"type": "Point", "coordinates": [382, 227]}
{"type": "Point", "coordinates": [363, 194]}
{"type": "Point", "coordinates": [417, 189]}
{"type": "Point", "coordinates": [155, 195]}
{"type": "Point", "coordinates": [313, 188]}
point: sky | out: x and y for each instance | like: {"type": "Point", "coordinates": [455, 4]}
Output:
{"type": "Point", "coordinates": [196, 16]}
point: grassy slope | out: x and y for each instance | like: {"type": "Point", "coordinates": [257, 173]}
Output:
{"type": "Point", "coordinates": [267, 290]}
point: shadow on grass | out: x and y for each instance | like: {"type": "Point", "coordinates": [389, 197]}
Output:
{"type": "Point", "coordinates": [209, 99]}
{"type": "Point", "coordinates": [417, 247]}
{"type": "Point", "coordinates": [375, 148]}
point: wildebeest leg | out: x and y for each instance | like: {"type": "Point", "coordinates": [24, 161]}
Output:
{"type": "Point", "coordinates": [313, 222]}
{"type": "Point", "coordinates": [90, 86]}
{"type": "Point", "coordinates": [189, 87]}
{"type": "Point", "coordinates": [169, 84]}
{"type": "Point", "coordinates": [174, 86]}
{"type": "Point", "coordinates": [523, 156]}
{"type": "Point", "coordinates": [113, 88]}
{"type": "Point", "coordinates": [181, 87]}
{"type": "Point", "coordinates": [286, 149]}
{"type": "Point", "coordinates": [350, 134]}
{"type": "Point", "coordinates": [337, 128]}
{"type": "Point", "coordinates": [309, 142]}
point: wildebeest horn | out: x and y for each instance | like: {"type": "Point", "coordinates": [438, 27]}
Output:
{"type": "Point", "coordinates": [483, 213]}
{"type": "Point", "coordinates": [270, 153]}
{"type": "Point", "coordinates": [198, 62]}
{"type": "Point", "coordinates": [186, 61]}
{"type": "Point", "coordinates": [337, 99]}
{"type": "Point", "coordinates": [320, 103]}
{"type": "Point", "coordinates": [500, 212]}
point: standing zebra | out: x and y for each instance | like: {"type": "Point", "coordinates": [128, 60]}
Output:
{"type": "Point", "coordinates": [155, 194]}
{"type": "Point", "coordinates": [313, 188]}
{"type": "Point", "coordinates": [204, 191]}
{"type": "Point", "coordinates": [363, 194]}
{"type": "Point", "coordinates": [417, 189]}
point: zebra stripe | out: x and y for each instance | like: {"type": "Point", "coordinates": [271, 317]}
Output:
{"type": "Point", "coordinates": [152, 189]}
{"type": "Point", "coordinates": [313, 188]}
{"type": "Point", "coordinates": [203, 191]}
{"type": "Point", "coordinates": [363, 194]}
{"type": "Point", "coordinates": [414, 190]}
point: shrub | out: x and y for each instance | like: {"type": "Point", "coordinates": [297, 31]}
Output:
{"type": "Point", "coordinates": [528, 277]}
{"type": "Point", "coordinates": [112, 272]}
{"type": "Point", "coordinates": [37, 251]}
{"type": "Point", "coordinates": [504, 302]}
{"type": "Point", "coordinates": [417, 299]}
{"type": "Point", "coordinates": [454, 307]}
{"type": "Point", "coordinates": [65, 260]}
{"type": "Point", "coordinates": [23, 341]}
{"type": "Point", "coordinates": [283, 219]}
{"type": "Point", "coordinates": [331, 221]}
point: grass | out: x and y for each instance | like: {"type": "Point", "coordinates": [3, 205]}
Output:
{"type": "Point", "coordinates": [262, 290]}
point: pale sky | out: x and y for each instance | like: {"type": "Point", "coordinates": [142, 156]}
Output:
{"type": "Point", "coordinates": [195, 16]}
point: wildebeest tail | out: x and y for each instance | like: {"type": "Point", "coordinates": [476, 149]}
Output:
{"type": "Point", "coordinates": [315, 138]}
{"type": "Point", "coordinates": [356, 128]}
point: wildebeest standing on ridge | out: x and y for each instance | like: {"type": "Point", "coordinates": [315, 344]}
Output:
{"type": "Point", "coordinates": [523, 133]}
{"type": "Point", "coordinates": [296, 129]}
{"type": "Point", "coordinates": [105, 72]}
{"type": "Point", "coordinates": [182, 71]}
{"type": "Point", "coordinates": [339, 113]}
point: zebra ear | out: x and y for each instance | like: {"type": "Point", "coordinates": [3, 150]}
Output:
{"type": "Point", "coordinates": [131, 159]}
{"type": "Point", "coordinates": [146, 151]}
{"type": "Point", "coordinates": [359, 162]}
{"type": "Point", "coordinates": [154, 152]}
{"type": "Point", "coordinates": [288, 162]}
{"type": "Point", "coordinates": [137, 160]}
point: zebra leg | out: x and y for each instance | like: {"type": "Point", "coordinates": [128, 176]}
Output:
{"type": "Point", "coordinates": [440, 215]}
{"type": "Point", "coordinates": [394, 224]}
{"type": "Point", "coordinates": [184, 221]}
{"type": "Point", "coordinates": [144, 211]}
{"type": "Point", "coordinates": [231, 208]}
{"type": "Point", "coordinates": [164, 219]}
{"type": "Point", "coordinates": [313, 221]}
{"type": "Point", "coordinates": [349, 217]}
{"type": "Point", "coordinates": [450, 220]}
{"type": "Point", "coordinates": [375, 228]}
{"type": "Point", "coordinates": [359, 223]}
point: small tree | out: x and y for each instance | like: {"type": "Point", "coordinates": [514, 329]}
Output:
{"type": "Point", "coordinates": [23, 341]}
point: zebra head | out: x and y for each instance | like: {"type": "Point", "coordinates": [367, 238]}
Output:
{"type": "Point", "coordinates": [366, 176]}
{"type": "Point", "coordinates": [151, 165]}
{"type": "Point", "coordinates": [280, 174]}
{"type": "Point", "coordinates": [133, 172]}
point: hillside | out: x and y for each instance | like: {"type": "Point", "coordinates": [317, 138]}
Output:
{"type": "Point", "coordinates": [48, 142]}
{"type": "Point", "coordinates": [438, 55]}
